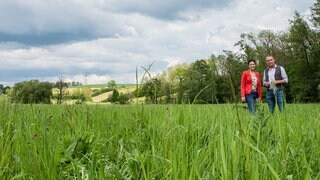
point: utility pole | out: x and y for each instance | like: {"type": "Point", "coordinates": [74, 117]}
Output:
{"type": "Point", "coordinates": [85, 78]}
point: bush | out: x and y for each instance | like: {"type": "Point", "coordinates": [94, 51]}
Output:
{"type": "Point", "coordinates": [123, 98]}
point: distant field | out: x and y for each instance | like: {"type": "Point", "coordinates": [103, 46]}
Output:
{"type": "Point", "coordinates": [106, 85]}
{"type": "Point", "coordinates": [158, 142]}
{"type": "Point", "coordinates": [122, 88]}
{"type": "Point", "coordinates": [101, 97]}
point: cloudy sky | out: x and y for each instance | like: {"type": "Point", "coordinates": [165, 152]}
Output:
{"type": "Point", "coordinates": [94, 41]}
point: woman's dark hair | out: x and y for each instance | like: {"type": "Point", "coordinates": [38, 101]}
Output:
{"type": "Point", "coordinates": [252, 60]}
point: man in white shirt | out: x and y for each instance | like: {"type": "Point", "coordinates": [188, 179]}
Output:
{"type": "Point", "coordinates": [274, 78]}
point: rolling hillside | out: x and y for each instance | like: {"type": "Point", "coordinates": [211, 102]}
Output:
{"type": "Point", "coordinates": [103, 96]}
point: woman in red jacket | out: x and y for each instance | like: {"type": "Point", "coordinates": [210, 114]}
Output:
{"type": "Point", "coordinates": [251, 86]}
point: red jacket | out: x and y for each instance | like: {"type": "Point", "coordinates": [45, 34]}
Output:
{"type": "Point", "coordinates": [246, 84]}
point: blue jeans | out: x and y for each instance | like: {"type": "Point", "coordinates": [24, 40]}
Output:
{"type": "Point", "coordinates": [272, 97]}
{"type": "Point", "coordinates": [251, 99]}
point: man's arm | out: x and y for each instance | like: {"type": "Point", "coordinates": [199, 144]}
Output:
{"type": "Point", "coordinates": [264, 82]}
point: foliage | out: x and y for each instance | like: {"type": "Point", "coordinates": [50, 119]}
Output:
{"type": "Point", "coordinates": [176, 75]}
{"type": "Point", "coordinates": [114, 96]}
{"type": "Point", "coordinates": [151, 90]}
{"type": "Point", "coordinates": [123, 98]}
{"type": "Point", "coordinates": [199, 84]}
{"type": "Point", "coordinates": [80, 94]}
{"type": "Point", "coordinates": [112, 84]}
{"type": "Point", "coordinates": [117, 97]}
{"type": "Point", "coordinates": [32, 91]}
{"type": "Point", "coordinates": [4, 89]}
{"type": "Point", "coordinates": [86, 91]}
{"type": "Point", "coordinates": [315, 9]}
{"type": "Point", "coordinates": [306, 53]}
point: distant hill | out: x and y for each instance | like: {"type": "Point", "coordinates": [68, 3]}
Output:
{"type": "Point", "coordinates": [106, 85]}
{"type": "Point", "coordinates": [122, 88]}
{"type": "Point", "coordinates": [104, 96]}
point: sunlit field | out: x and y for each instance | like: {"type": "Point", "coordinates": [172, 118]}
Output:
{"type": "Point", "coordinates": [158, 142]}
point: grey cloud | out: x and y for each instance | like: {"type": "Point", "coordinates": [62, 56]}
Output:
{"type": "Point", "coordinates": [39, 23]}
{"type": "Point", "coordinates": [46, 38]}
{"type": "Point", "coordinates": [167, 9]}
{"type": "Point", "coordinates": [42, 74]}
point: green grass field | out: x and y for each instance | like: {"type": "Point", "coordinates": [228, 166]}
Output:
{"type": "Point", "coordinates": [158, 142]}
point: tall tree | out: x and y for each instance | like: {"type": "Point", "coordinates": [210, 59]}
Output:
{"type": "Point", "coordinates": [305, 44]}
{"type": "Point", "coordinates": [114, 97]}
{"type": "Point", "coordinates": [315, 10]}
{"type": "Point", "coordinates": [221, 79]}
{"type": "Point", "coordinates": [151, 90]}
{"type": "Point", "coordinates": [112, 84]}
{"type": "Point", "coordinates": [199, 83]}
{"type": "Point", "coordinates": [177, 75]}
{"type": "Point", "coordinates": [233, 64]}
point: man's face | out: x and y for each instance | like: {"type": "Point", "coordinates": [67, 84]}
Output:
{"type": "Point", "coordinates": [270, 61]}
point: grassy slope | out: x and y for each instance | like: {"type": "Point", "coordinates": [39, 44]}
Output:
{"type": "Point", "coordinates": [104, 96]}
{"type": "Point", "coordinates": [122, 88]}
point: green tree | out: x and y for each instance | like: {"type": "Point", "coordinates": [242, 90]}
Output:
{"type": "Point", "coordinates": [315, 10]}
{"type": "Point", "coordinates": [112, 84]}
{"type": "Point", "coordinates": [305, 45]}
{"type": "Point", "coordinates": [222, 84]}
{"type": "Point", "coordinates": [167, 88]}
{"type": "Point", "coordinates": [177, 75]}
{"type": "Point", "coordinates": [123, 98]}
{"type": "Point", "coordinates": [32, 91]}
{"type": "Point", "coordinates": [114, 97]}
{"type": "Point", "coordinates": [232, 67]}
{"type": "Point", "coordinates": [265, 43]}
{"type": "Point", "coordinates": [199, 83]}
{"type": "Point", "coordinates": [3, 89]}
{"type": "Point", "coordinates": [151, 90]}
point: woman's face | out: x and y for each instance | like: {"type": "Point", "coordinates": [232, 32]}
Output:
{"type": "Point", "coordinates": [252, 65]}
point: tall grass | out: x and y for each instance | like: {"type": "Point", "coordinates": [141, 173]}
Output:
{"type": "Point", "coordinates": [158, 142]}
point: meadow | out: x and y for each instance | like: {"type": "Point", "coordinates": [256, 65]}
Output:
{"type": "Point", "coordinates": [158, 142]}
